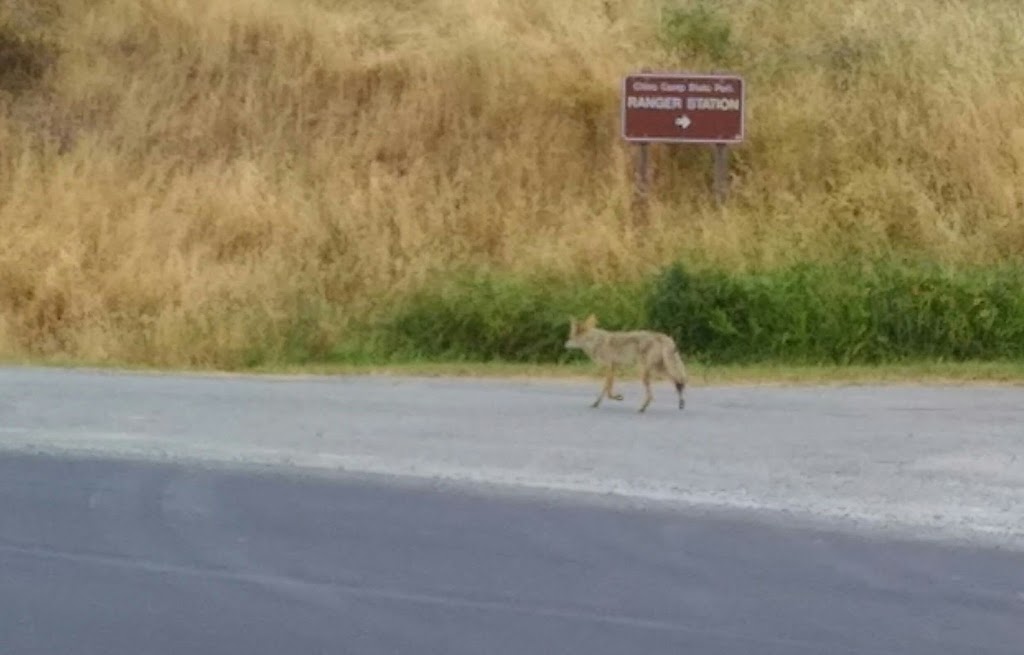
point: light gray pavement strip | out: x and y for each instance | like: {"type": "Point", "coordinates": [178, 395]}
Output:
{"type": "Point", "coordinates": [932, 461]}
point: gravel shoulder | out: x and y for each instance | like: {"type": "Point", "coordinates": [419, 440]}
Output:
{"type": "Point", "coordinates": [944, 462]}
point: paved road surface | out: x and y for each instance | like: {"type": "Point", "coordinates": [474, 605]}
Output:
{"type": "Point", "coordinates": [112, 557]}
{"type": "Point", "coordinates": [936, 462]}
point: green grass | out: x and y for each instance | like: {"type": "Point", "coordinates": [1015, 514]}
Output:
{"type": "Point", "coordinates": [803, 315]}
{"type": "Point", "coordinates": [849, 313]}
{"type": "Point", "coordinates": [838, 323]}
{"type": "Point", "coordinates": [483, 317]}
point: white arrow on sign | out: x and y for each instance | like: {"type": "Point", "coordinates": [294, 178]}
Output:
{"type": "Point", "coordinates": [683, 122]}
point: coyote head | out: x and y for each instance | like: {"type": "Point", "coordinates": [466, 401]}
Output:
{"type": "Point", "coordinates": [578, 331]}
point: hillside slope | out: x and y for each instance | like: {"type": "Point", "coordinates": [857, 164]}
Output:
{"type": "Point", "coordinates": [183, 179]}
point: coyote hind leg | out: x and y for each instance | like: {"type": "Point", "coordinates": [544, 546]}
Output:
{"type": "Point", "coordinates": [647, 392]}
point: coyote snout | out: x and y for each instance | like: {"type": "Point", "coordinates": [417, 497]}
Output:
{"type": "Point", "coordinates": [655, 352]}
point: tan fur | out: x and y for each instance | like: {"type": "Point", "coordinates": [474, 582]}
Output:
{"type": "Point", "coordinates": [654, 352]}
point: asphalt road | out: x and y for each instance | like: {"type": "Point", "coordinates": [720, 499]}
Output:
{"type": "Point", "coordinates": [944, 463]}
{"type": "Point", "coordinates": [111, 557]}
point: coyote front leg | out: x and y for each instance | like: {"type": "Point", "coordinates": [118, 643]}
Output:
{"type": "Point", "coordinates": [611, 391]}
{"type": "Point", "coordinates": [606, 390]}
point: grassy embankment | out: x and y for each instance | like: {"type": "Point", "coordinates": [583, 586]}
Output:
{"type": "Point", "coordinates": [323, 183]}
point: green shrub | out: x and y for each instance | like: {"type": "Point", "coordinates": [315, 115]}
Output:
{"type": "Point", "coordinates": [843, 313]}
{"type": "Point", "coordinates": [695, 30]}
{"type": "Point", "coordinates": [805, 314]}
{"type": "Point", "coordinates": [24, 59]}
{"type": "Point", "coordinates": [488, 317]}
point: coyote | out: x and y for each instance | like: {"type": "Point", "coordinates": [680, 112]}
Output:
{"type": "Point", "coordinates": [654, 351]}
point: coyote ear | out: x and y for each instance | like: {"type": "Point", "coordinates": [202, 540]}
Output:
{"type": "Point", "coordinates": [591, 321]}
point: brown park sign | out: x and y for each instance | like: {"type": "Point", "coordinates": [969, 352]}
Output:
{"type": "Point", "coordinates": [682, 108]}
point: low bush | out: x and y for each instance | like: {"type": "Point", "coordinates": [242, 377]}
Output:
{"type": "Point", "coordinates": [491, 317]}
{"type": "Point", "coordinates": [844, 313]}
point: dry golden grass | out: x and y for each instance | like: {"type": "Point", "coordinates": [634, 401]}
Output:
{"type": "Point", "coordinates": [207, 182]}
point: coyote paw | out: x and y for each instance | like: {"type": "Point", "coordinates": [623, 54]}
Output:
{"type": "Point", "coordinates": [617, 396]}
{"type": "Point", "coordinates": [682, 403]}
